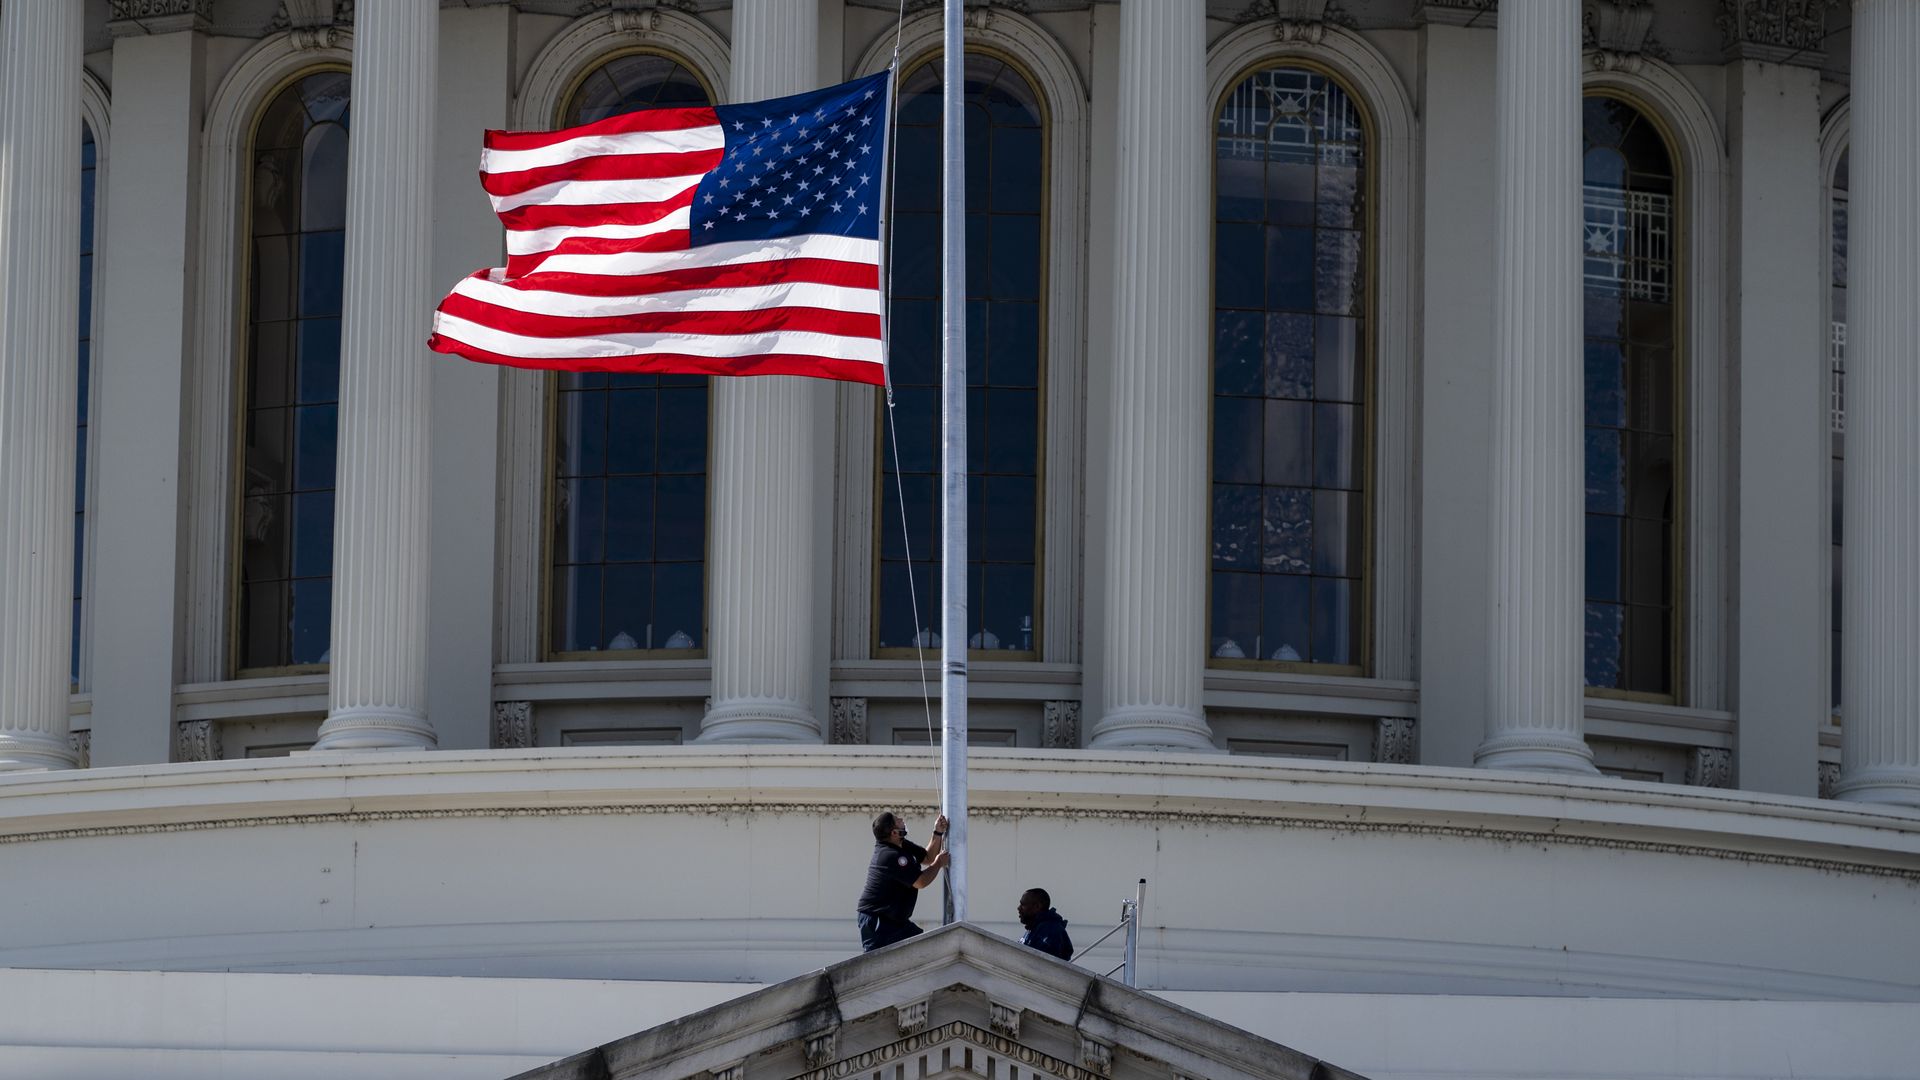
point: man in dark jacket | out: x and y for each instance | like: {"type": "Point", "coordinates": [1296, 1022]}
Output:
{"type": "Point", "coordinates": [1046, 930]}
{"type": "Point", "coordinates": [897, 872]}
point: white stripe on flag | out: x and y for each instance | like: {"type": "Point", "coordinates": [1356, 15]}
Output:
{"type": "Point", "coordinates": [534, 241]}
{"type": "Point", "coordinates": [737, 298]}
{"type": "Point", "coordinates": [774, 343]}
{"type": "Point", "coordinates": [683, 141]}
{"type": "Point", "coordinates": [851, 249]}
{"type": "Point", "coordinates": [597, 192]}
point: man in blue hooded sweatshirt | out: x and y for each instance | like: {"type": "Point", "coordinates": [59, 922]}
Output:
{"type": "Point", "coordinates": [1046, 930]}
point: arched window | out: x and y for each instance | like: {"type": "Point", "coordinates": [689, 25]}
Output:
{"type": "Point", "coordinates": [88, 154]}
{"type": "Point", "coordinates": [1629, 232]}
{"type": "Point", "coordinates": [1837, 403]}
{"type": "Point", "coordinates": [296, 227]}
{"type": "Point", "coordinates": [629, 483]}
{"type": "Point", "coordinates": [1006, 270]}
{"type": "Point", "coordinates": [1290, 374]}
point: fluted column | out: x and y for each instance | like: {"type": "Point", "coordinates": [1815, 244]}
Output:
{"type": "Point", "coordinates": [1880, 682]}
{"type": "Point", "coordinates": [39, 364]}
{"type": "Point", "coordinates": [1535, 683]}
{"type": "Point", "coordinates": [1155, 639]}
{"type": "Point", "coordinates": [762, 584]}
{"type": "Point", "coordinates": [377, 693]}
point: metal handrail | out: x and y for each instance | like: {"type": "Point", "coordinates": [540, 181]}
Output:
{"type": "Point", "coordinates": [1130, 922]}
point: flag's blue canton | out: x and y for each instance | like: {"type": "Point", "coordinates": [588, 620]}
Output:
{"type": "Point", "coordinates": [803, 164]}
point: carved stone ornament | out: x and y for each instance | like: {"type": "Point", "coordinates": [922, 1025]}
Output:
{"type": "Point", "coordinates": [513, 725]}
{"type": "Point", "coordinates": [1779, 31]}
{"type": "Point", "coordinates": [1393, 740]}
{"type": "Point", "coordinates": [1096, 1055]}
{"type": "Point", "coordinates": [911, 1017]}
{"type": "Point", "coordinates": [313, 24]}
{"type": "Point", "coordinates": [1829, 776]}
{"type": "Point", "coordinates": [82, 744]}
{"type": "Point", "coordinates": [1618, 34]}
{"type": "Point", "coordinates": [1455, 12]}
{"type": "Point", "coordinates": [127, 17]}
{"type": "Point", "coordinates": [1304, 21]}
{"type": "Point", "coordinates": [196, 740]}
{"type": "Point", "coordinates": [642, 18]}
{"type": "Point", "coordinates": [1710, 766]}
{"type": "Point", "coordinates": [1004, 1019]}
{"type": "Point", "coordinates": [1060, 725]}
{"type": "Point", "coordinates": [820, 1047]}
{"type": "Point", "coordinates": [847, 721]}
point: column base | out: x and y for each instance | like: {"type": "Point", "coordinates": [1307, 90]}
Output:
{"type": "Point", "coordinates": [760, 721]}
{"type": "Point", "coordinates": [1153, 728]}
{"type": "Point", "coordinates": [24, 751]}
{"type": "Point", "coordinates": [1536, 751]}
{"type": "Point", "coordinates": [376, 727]}
{"type": "Point", "coordinates": [1886, 786]}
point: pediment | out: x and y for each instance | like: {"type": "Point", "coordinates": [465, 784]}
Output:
{"type": "Point", "coordinates": [956, 1002]}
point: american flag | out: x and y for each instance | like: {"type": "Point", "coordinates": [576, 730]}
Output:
{"type": "Point", "coordinates": [732, 240]}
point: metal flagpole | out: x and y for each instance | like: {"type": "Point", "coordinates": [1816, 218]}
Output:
{"type": "Point", "coordinates": [953, 398]}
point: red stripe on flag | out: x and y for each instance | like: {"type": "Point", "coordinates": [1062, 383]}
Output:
{"type": "Point", "coordinates": [724, 323]}
{"type": "Point", "coordinates": [603, 167]}
{"type": "Point", "coordinates": [858, 371]}
{"type": "Point", "coordinates": [625, 123]}
{"type": "Point", "coordinates": [815, 271]}
{"type": "Point", "coordinates": [544, 216]}
{"type": "Point", "coordinates": [675, 240]}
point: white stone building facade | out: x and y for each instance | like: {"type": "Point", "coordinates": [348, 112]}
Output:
{"type": "Point", "coordinates": [1416, 442]}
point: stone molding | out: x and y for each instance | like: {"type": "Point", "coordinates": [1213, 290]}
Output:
{"type": "Point", "coordinates": [513, 727]}
{"type": "Point", "coordinates": [1004, 1019]}
{"type": "Point", "coordinates": [196, 740]}
{"type": "Point", "coordinates": [1393, 740]}
{"type": "Point", "coordinates": [1710, 766]}
{"type": "Point", "coordinates": [1776, 31]}
{"type": "Point", "coordinates": [82, 744]}
{"type": "Point", "coordinates": [1479, 13]}
{"type": "Point", "coordinates": [313, 24]}
{"type": "Point", "coordinates": [1060, 725]}
{"type": "Point", "coordinates": [847, 721]}
{"type": "Point", "coordinates": [1829, 778]}
{"type": "Point", "coordinates": [958, 1031]}
{"type": "Point", "coordinates": [1096, 1055]}
{"type": "Point", "coordinates": [821, 1046]}
{"type": "Point", "coordinates": [127, 18]}
{"type": "Point", "coordinates": [911, 1017]}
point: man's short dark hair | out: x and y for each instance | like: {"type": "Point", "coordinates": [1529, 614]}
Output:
{"type": "Point", "coordinates": [883, 825]}
{"type": "Point", "coordinates": [1040, 895]}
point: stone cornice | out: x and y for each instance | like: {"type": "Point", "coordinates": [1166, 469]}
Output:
{"type": "Point", "coordinates": [132, 17]}
{"type": "Point", "coordinates": [1778, 31]}
{"type": "Point", "coordinates": [1339, 798]}
{"type": "Point", "coordinates": [1456, 12]}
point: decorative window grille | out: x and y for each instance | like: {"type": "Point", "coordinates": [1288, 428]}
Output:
{"type": "Point", "coordinates": [1290, 114]}
{"type": "Point", "coordinates": [1628, 241]}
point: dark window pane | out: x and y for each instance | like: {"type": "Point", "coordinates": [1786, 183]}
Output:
{"type": "Point", "coordinates": [264, 544]}
{"type": "Point", "coordinates": [1239, 343]}
{"type": "Point", "coordinates": [1236, 616]}
{"type": "Point", "coordinates": [271, 279]}
{"type": "Point", "coordinates": [1336, 359]}
{"type": "Point", "coordinates": [313, 534]}
{"type": "Point", "coordinates": [312, 620]}
{"type": "Point", "coordinates": [1651, 564]}
{"type": "Point", "coordinates": [1650, 646]}
{"type": "Point", "coordinates": [1290, 191]}
{"type": "Point", "coordinates": [916, 430]}
{"type": "Point", "coordinates": [1009, 525]}
{"type": "Point", "coordinates": [1335, 622]}
{"type": "Point", "coordinates": [914, 353]}
{"type": "Point", "coordinates": [1286, 618]}
{"type": "Point", "coordinates": [918, 162]}
{"type": "Point", "coordinates": [576, 608]}
{"type": "Point", "coordinates": [897, 593]}
{"type": "Point", "coordinates": [1236, 527]}
{"type": "Point", "coordinates": [583, 433]}
{"type": "Point", "coordinates": [323, 191]}
{"type": "Point", "coordinates": [915, 255]}
{"type": "Point", "coordinates": [1003, 618]}
{"type": "Point", "coordinates": [632, 428]}
{"type": "Point", "coordinates": [580, 520]}
{"type": "Point", "coordinates": [1015, 256]}
{"type": "Point", "coordinates": [1604, 558]}
{"type": "Point", "coordinates": [1606, 631]}
{"type": "Point", "coordinates": [1290, 268]}
{"type": "Point", "coordinates": [1287, 529]}
{"type": "Point", "coordinates": [1237, 424]}
{"type": "Point", "coordinates": [683, 428]}
{"type": "Point", "coordinates": [315, 439]}
{"type": "Point", "coordinates": [1016, 170]}
{"type": "Point", "coordinates": [680, 530]}
{"type": "Point", "coordinates": [1336, 446]}
{"type": "Point", "coordinates": [1605, 314]}
{"type": "Point", "coordinates": [1651, 484]}
{"type": "Point", "coordinates": [629, 520]}
{"type": "Point", "coordinates": [1289, 443]}
{"type": "Point", "coordinates": [1339, 197]}
{"type": "Point", "coordinates": [679, 606]}
{"type": "Point", "coordinates": [263, 618]}
{"type": "Point", "coordinates": [1606, 472]}
{"type": "Point", "coordinates": [1290, 359]}
{"type": "Point", "coordinates": [269, 464]}
{"type": "Point", "coordinates": [1014, 329]}
{"type": "Point", "coordinates": [1013, 446]}
{"type": "Point", "coordinates": [1239, 266]}
{"type": "Point", "coordinates": [1653, 390]}
{"type": "Point", "coordinates": [1606, 384]}
{"type": "Point", "coordinates": [269, 370]}
{"type": "Point", "coordinates": [626, 613]}
{"type": "Point", "coordinates": [322, 273]}
{"type": "Point", "coordinates": [275, 183]}
{"type": "Point", "coordinates": [1336, 534]}
{"type": "Point", "coordinates": [1238, 189]}
{"type": "Point", "coordinates": [1337, 280]}
{"type": "Point", "coordinates": [319, 362]}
